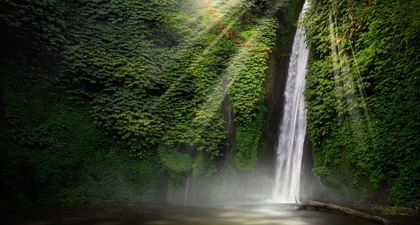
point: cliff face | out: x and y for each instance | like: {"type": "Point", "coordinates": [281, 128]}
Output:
{"type": "Point", "coordinates": [256, 184]}
{"type": "Point", "coordinates": [137, 97]}
{"type": "Point", "coordinates": [362, 95]}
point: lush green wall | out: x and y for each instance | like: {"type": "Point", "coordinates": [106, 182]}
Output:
{"type": "Point", "coordinates": [120, 100]}
{"type": "Point", "coordinates": [363, 96]}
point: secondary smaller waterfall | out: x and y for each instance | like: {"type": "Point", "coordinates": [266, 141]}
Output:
{"type": "Point", "coordinates": [186, 192]}
{"type": "Point", "coordinates": [293, 125]}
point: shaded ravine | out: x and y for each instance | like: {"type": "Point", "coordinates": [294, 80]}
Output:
{"type": "Point", "coordinates": [293, 124]}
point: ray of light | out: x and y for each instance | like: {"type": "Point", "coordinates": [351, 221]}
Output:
{"type": "Point", "coordinates": [215, 96]}
{"type": "Point", "coordinates": [347, 84]}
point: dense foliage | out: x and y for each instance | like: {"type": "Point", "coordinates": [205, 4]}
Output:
{"type": "Point", "coordinates": [363, 95]}
{"type": "Point", "coordinates": [121, 100]}
{"type": "Point", "coordinates": [105, 100]}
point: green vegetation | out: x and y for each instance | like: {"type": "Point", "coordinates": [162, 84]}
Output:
{"type": "Point", "coordinates": [121, 100]}
{"type": "Point", "coordinates": [105, 100]}
{"type": "Point", "coordinates": [363, 96]}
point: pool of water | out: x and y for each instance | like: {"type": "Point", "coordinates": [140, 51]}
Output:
{"type": "Point", "coordinates": [254, 214]}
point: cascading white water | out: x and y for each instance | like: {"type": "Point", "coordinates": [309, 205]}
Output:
{"type": "Point", "coordinates": [293, 125]}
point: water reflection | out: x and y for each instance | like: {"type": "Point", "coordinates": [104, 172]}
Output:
{"type": "Point", "coordinates": [267, 214]}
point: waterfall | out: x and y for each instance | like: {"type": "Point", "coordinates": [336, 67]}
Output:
{"type": "Point", "coordinates": [293, 124]}
{"type": "Point", "coordinates": [186, 192]}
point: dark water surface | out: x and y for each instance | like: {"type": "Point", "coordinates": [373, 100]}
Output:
{"type": "Point", "coordinates": [235, 214]}
{"type": "Point", "coordinates": [252, 214]}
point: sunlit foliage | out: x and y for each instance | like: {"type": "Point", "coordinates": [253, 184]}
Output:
{"type": "Point", "coordinates": [105, 100]}
{"type": "Point", "coordinates": [363, 96]}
